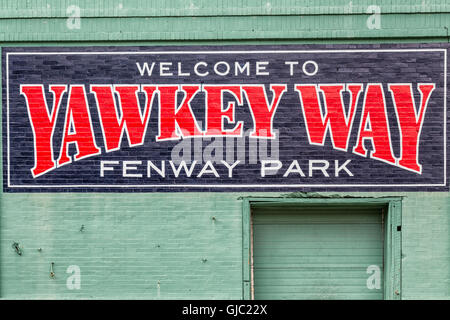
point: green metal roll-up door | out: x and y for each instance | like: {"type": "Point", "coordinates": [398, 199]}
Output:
{"type": "Point", "coordinates": [317, 253]}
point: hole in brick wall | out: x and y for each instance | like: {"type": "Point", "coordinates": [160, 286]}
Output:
{"type": "Point", "coordinates": [399, 228]}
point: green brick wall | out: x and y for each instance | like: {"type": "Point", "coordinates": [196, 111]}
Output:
{"type": "Point", "coordinates": [125, 244]}
{"type": "Point", "coordinates": [167, 245]}
{"type": "Point", "coordinates": [128, 244]}
{"type": "Point", "coordinates": [224, 20]}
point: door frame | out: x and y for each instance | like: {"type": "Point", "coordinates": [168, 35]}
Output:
{"type": "Point", "coordinates": [392, 235]}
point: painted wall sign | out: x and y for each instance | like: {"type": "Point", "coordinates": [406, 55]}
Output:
{"type": "Point", "coordinates": [334, 117]}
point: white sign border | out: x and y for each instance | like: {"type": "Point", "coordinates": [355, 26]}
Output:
{"type": "Point", "coordinates": [145, 186]}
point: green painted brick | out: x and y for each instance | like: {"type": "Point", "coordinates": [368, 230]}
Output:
{"type": "Point", "coordinates": [132, 241]}
{"type": "Point", "coordinates": [127, 245]}
{"type": "Point", "coordinates": [220, 20]}
{"type": "Point", "coordinates": [181, 8]}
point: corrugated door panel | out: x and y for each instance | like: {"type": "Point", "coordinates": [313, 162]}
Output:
{"type": "Point", "coordinates": [316, 253]}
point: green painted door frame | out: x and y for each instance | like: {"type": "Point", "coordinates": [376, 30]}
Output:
{"type": "Point", "coordinates": [392, 243]}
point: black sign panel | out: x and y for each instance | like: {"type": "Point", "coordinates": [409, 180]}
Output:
{"type": "Point", "coordinates": [254, 118]}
